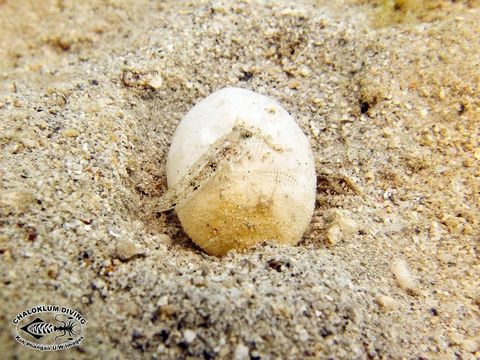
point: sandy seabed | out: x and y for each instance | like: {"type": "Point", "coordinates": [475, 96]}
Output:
{"type": "Point", "coordinates": [90, 94]}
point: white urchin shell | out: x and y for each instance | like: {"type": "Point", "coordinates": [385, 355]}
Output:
{"type": "Point", "coordinates": [240, 171]}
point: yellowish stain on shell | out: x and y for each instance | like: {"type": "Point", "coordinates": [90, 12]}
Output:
{"type": "Point", "coordinates": [225, 216]}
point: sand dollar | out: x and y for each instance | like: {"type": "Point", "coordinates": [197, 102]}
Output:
{"type": "Point", "coordinates": [240, 171]}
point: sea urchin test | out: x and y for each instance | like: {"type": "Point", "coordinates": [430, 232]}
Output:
{"type": "Point", "coordinates": [240, 171]}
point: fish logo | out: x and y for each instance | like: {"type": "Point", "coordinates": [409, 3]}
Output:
{"type": "Point", "coordinates": [39, 328]}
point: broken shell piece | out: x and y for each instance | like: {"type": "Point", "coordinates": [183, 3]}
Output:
{"type": "Point", "coordinates": [403, 276]}
{"type": "Point", "coordinates": [240, 171]}
{"type": "Point", "coordinates": [126, 249]}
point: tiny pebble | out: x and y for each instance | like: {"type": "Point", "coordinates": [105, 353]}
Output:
{"type": "Point", "coordinates": [241, 352]}
{"type": "Point", "coordinates": [404, 278]}
{"type": "Point", "coordinates": [126, 249]}
{"type": "Point", "coordinates": [334, 234]}
{"type": "Point", "coordinates": [293, 84]}
{"type": "Point", "coordinates": [303, 335]}
{"type": "Point", "coordinates": [114, 232]}
{"type": "Point", "coordinates": [476, 154]}
{"type": "Point", "coordinates": [52, 271]}
{"type": "Point", "coordinates": [71, 132]}
{"type": "Point", "coordinates": [305, 71]}
{"type": "Point", "coordinates": [342, 226]}
{"type": "Point", "coordinates": [156, 82]}
{"type": "Point", "coordinates": [189, 335]}
{"type": "Point", "coordinates": [165, 239]}
{"type": "Point", "coordinates": [386, 302]}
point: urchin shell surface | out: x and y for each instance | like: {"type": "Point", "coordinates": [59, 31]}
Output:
{"type": "Point", "coordinates": [240, 171]}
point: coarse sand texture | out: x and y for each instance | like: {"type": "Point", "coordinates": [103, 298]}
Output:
{"type": "Point", "coordinates": [379, 103]}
